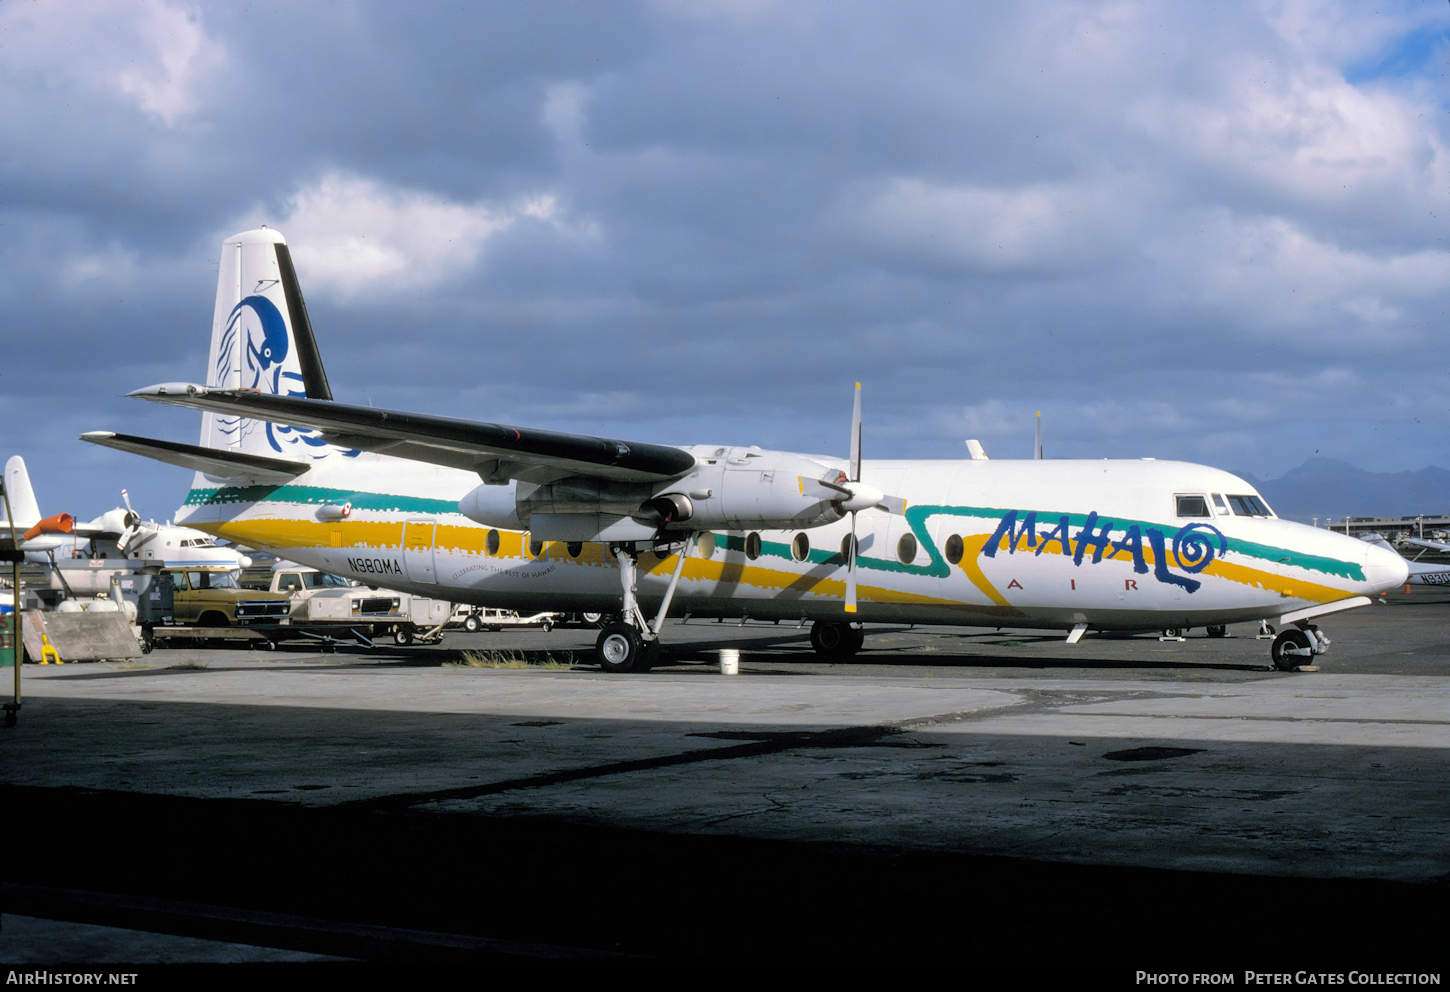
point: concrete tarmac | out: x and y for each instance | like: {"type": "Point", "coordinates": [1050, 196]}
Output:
{"type": "Point", "coordinates": [1111, 786]}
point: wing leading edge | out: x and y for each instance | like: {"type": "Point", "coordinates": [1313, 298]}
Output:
{"type": "Point", "coordinates": [496, 452]}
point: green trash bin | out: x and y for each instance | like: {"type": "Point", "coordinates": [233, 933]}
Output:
{"type": "Point", "coordinates": [7, 637]}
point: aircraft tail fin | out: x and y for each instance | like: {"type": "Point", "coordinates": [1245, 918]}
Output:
{"type": "Point", "coordinates": [262, 340]}
{"type": "Point", "coordinates": [21, 496]}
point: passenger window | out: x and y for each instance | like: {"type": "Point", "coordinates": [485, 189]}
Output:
{"type": "Point", "coordinates": [1192, 506]}
{"type": "Point", "coordinates": [954, 549]}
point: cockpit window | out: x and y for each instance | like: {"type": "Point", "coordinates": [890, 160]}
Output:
{"type": "Point", "coordinates": [1219, 504]}
{"type": "Point", "coordinates": [1248, 506]}
{"type": "Point", "coordinates": [1192, 506]}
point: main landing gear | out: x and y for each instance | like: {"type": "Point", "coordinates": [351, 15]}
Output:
{"type": "Point", "coordinates": [632, 643]}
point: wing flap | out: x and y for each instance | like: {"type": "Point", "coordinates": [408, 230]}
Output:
{"type": "Point", "coordinates": [216, 462]}
{"type": "Point", "coordinates": [489, 449]}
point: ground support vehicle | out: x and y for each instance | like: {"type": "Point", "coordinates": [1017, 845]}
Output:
{"type": "Point", "coordinates": [329, 608]}
{"type": "Point", "coordinates": [476, 618]}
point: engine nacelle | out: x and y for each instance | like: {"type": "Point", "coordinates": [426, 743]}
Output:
{"type": "Point", "coordinates": [493, 506]}
{"type": "Point", "coordinates": [748, 489]}
{"type": "Point", "coordinates": [729, 489]}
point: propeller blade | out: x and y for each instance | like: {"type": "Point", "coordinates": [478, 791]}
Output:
{"type": "Point", "coordinates": [856, 437]}
{"type": "Point", "coordinates": [851, 568]}
{"type": "Point", "coordinates": [892, 504]}
{"type": "Point", "coordinates": [826, 489]}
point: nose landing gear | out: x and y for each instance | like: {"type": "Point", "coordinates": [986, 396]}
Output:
{"type": "Point", "coordinates": [1297, 647]}
{"type": "Point", "coordinates": [835, 640]}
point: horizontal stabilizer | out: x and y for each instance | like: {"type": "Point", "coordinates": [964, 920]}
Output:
{"type": "Point", "coordinates": [496, 452]}
{"type": "Point", "coordinates": [219, 463]}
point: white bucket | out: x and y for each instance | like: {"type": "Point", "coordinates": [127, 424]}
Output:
{"type": "Point", "coordinates": [729, 661]}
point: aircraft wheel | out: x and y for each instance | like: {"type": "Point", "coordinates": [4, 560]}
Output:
{"type": "Point", "coordinates": [1218, 630]}
{"type": "Point", "coordinates": [592, 619]}
{"type": "Point", "coordinates": [619, 648]}
{"type": "Point", "coordinates": [836, 640]}
{"type": "Point", "coordinates": [1291, 638]}
{"type": "Point", "coordinates": [1174, 631]}
{"type": "Point", "coordinates": [471, 624]}
{"type": "Point", "coordinates": [402, 636]}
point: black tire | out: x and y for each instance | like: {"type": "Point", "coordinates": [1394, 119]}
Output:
{"type": "Point", "coordinates": [620, 649]}
{"type": "Point", "coordinates": [1174, 631]}
{"type": "Point", "coordinates": [591, 619]}
{"type": "Point", "coordinates": [1217, 630]}
{"type": "Point", "coordinates": [836, 640]}
{"type": "Point", "coordinates": [402, 636]}
{"type": "Point", "coordinates": [1293, 637]}
{"type": "Point", "coordinates": [472, 624]}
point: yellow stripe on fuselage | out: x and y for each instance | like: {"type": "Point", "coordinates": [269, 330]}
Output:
{"type": "Point", "coordinates": [470, 540]}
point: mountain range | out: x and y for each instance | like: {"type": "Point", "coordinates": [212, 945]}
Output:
{"type": "Point", "coordinates": [1325, 487]}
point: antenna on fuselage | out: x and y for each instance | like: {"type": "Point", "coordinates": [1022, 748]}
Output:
{"type": "Point", "coordinates": [1037, 451]}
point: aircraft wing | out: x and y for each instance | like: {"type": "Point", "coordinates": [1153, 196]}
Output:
{"type": "Point", "coordinates": [216, 462]}
{"type": "Point", "coordinates": [1421, 543]}
{"type": "Point", "coordinates": [496, 452]}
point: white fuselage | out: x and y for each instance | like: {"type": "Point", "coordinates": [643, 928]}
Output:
{"type": "Point", "coordinates": [1048, 544]}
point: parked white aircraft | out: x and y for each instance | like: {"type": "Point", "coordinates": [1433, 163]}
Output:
{"type": "Point", "coordinates": [538, 520]}
{"type": "Point", "coordinates": [27, 530]}
{"type": "Point", "coordinates": [1425, 573]}
{"type": "Point", "coordinates": [118, 533]}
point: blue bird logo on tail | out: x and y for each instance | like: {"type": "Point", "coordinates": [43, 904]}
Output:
{"type": "Point", "coordinates": [265, 346]}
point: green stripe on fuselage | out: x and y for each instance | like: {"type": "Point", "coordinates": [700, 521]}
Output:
{"type": "Point", "coordinates": [916, 517]}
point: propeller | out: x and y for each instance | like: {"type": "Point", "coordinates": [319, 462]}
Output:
{"type": "Point", "coordinates": [859, 496]}
{"type": "Point", "coordinates": [132, 521]}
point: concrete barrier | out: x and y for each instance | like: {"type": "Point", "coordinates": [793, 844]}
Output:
{"type": "Point", "coordinates": [80, 636]}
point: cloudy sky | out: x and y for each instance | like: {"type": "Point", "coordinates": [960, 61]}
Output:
{"type": "Point", "coordinates": [1211, 232]}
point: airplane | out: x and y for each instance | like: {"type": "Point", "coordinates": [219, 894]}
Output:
{"type": "Point", "coordinates": [1424, 573]}
{"type": "Point", "coordinates": [118, 533]}
{"type": "Point", "coordinates": [537, 520]}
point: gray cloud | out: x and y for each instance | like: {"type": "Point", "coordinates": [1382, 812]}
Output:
{"type": "Point", "coordinates": [1206, 233]}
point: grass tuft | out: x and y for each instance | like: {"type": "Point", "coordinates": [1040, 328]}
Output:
{"type": "Point", "coordinates": [554, 661]}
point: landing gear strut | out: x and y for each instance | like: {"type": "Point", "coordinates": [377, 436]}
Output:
{"type": "Point", "coordinates": [631, 644]}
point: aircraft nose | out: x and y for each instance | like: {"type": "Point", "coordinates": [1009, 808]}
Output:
{"type": "Point", "coordinates": [1384, 570]}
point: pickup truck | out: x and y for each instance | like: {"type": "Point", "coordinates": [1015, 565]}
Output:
{"type": "Point", "coordinates": [207, 597]}
{"type": "Point", "coordinates": [320, 602]}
